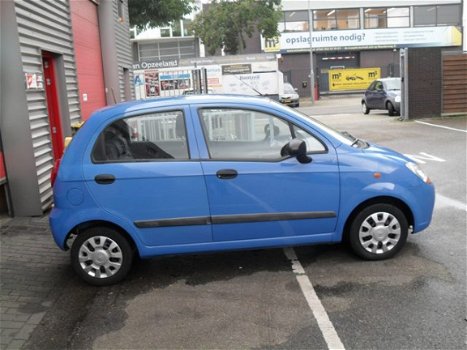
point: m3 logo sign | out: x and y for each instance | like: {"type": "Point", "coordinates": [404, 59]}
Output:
{"type": "Point", "coordinates": [271, 44]}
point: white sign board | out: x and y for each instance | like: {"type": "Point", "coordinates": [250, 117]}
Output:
{"type": "Point", "coordinates": [246, 84]}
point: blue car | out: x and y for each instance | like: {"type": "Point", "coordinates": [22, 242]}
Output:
{"type": "Point", "coordinates": [195, 174]}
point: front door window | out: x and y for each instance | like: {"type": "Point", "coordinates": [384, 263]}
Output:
{"type": "Point", "coordinates": [236, 134]}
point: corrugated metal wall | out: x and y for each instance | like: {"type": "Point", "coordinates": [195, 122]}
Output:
{"type": "Point", "coordinates": [124, 54]}
{"type": "Point", "coordinates": [46, 25]}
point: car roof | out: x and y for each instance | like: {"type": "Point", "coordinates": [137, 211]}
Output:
{"type": "Point", "coordinates": [161, 102]}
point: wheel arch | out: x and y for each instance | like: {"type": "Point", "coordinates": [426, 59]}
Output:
{"type": "Point", "coordinates": [378, 200]}
{"type": "Point", "coordinates": [94, 223]}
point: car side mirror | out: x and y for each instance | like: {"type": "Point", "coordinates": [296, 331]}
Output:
{"type": "Point", "coordinates": [296, 148]}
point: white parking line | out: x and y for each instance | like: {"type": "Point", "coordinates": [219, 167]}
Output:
{"type": "Point", "coordinates": [322, 318]}
{"type": "Point", "coordinates": [442, 201]}
{"type": "Point", "coordinates": [440, 126]}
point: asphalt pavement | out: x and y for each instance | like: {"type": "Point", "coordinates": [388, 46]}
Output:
{"type": "Point", "coordinates": [254, 299]}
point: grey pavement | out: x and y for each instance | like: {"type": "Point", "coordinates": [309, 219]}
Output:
{"type": "Point", "coordinates": [29, 266]}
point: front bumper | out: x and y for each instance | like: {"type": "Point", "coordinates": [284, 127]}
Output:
{"type": "Point", "coordinates": [289, 101]}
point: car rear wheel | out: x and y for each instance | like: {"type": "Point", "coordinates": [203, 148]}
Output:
{"type": "Point", "coordinates": [101, 256]}
{"type": "Point", "coordinates": [391, 109]}
{"type": "Point", "coordinates": [378, 232]}
{"type": "Point", "coordinates": [365, 108]}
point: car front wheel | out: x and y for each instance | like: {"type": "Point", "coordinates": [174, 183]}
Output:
{"type": "Point", "coordinates": [365, 108]}
{"type": "Point", "coordinates": [378, 232]}
{"type": "Point", "coordinates": [101, 256]}
{"type": "Point", "coordinates": [391, 109]}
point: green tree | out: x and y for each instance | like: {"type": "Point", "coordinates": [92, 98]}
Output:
{"type": "Point", "coordinates": [225, 23]}
{"type": "Point", "coordinates": [155, 13]}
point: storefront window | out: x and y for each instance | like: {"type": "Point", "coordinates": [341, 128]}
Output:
{"type": "Point", "coordinates": [392, 17]}
{"type": "Point", "coordinates": [336, 19]}
{"type": "Point", "coordinates": [441, 15]}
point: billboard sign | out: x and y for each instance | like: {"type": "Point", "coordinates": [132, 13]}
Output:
{"type": "Point", "coordinates": [352, 79]}
{"type": "Point", "coordinates": [365, 39]}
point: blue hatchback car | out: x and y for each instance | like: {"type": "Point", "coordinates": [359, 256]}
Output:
{"type": "Point", "coordinates": [209, 173]}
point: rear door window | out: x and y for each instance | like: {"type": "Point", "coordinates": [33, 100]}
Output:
{"type": "Point", "coordinates": [148, 137]}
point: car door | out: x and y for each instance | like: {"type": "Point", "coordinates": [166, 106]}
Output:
{"type": "Point", "coordinates": [380, 95]}
{"type": "Point", "coordinates": [254, 193]}
{"type": "Point", "coordinates": [142, 168]}
{"type": "Point", "coordinates": [370, 95]}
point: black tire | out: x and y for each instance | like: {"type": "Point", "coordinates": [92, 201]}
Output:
{"type": "Point", "coordinates": [365, 108]}
{"type": "Point", "coordinates": [385, 228]}
{"type": "Point", "coordinates": [113, 262]}
{"type": "Point", "coordinates": [391, 109]}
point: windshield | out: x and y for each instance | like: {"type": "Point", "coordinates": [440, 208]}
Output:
{"type": "Point", "coordinates": [393, 84]}
{"type": "Point", "coordinates": [288, 89]}
{"type": "Point", "coordinates": [343, 137]}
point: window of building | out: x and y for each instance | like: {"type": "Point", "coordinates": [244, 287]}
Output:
{"type": "Point", "coordinates": [148, 50]}
{"type": "Point", "coordinates": [294, 21]}
{"type": "Point", "coordinates": [168, 49]}
{"type": "Point", "coordinates": [250, 135]}
{"type": "Point", "coordinates": [440, 15]}
{"type": "Point", "coordinates": [187, 27]}
{"type": "Point", "coordinates": [336, 19]}
{"type": "Point", "coordinates": [324, 20]}
{"type": "Point", "coordinates": [392, 17]}
{"type": "Point", "coordinates": [178, 48]}
{"type": "Point", "coordinates": [176, 28]}
{"type": "Point", "coordinates": [165, 32]}
{"type": "Point", "coordinates": [141, 138]}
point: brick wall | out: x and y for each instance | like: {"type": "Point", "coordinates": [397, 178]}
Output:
{"type": "Point", "coordinates": [424, 82]}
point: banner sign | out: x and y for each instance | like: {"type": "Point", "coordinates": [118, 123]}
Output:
{"type": "Point", "coordinates": [236, 69]}
{"type": "Point", "coordinates": [352, 79]}
{"type": "Point", "coordinates": [369, 39]}
{"type": "Point", "coordinates": [156, 64]}
{"type": "Point", "coordinates": [34, 81]}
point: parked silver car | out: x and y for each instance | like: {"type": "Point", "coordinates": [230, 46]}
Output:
{"type": "Point", "coordinates": [290, 96]}
{"type": "Point", "coordinates": [383, 94]}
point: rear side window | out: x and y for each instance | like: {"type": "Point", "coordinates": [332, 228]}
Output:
{"type": "Point", "coordinates": [155, 136]}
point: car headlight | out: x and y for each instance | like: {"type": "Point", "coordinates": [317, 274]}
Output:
{"type": "Point", "coordinates": [398, 99]}
{"type": "Point", "coordinates": [413, 167]}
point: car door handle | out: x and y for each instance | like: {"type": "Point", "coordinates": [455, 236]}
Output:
{"type": "Point", "coordinates": [226, 174]}
{"type": "Point", "coordinates": [104, 179]}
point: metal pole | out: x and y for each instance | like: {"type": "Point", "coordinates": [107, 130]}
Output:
{"type": "Point", "coordinates": [312, 74]}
